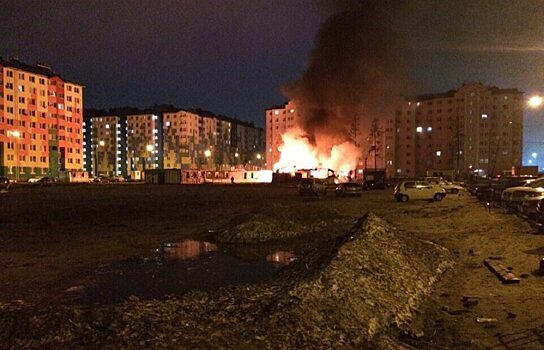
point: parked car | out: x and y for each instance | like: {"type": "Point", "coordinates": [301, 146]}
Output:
{"type": "Point", "coordinates": [540, 216]}
{"type": "Point", "coordinates": [449, 186]}
{"type": "Point", "coordinates": [369, 185]}
{"type": "Point", "coordinates": [5, 183]}
{"type": "Point", "coordinates": [408, 190]}
{"type": "Point", "coordinates": [34, 180]}
{"type": "Point", "coordinates": [311, 186]}
{"type": "Point", "coordinates": [348, 189]}
{"type": "Point", "coordinates": [529, 205]}
{"type": "Point", "coordinates": [514, 196]}
{"type": "Point", "coordinates": [116, 179]}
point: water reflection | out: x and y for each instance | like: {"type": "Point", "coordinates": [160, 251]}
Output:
{"type": "Point", "coordinates": [281, 257]}
{"type": "Point", "coordinates": [188, 250]}
{"type": "Point", "coordinates": [184, 266]}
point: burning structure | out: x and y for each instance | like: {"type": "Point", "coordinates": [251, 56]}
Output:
{"type": "Point", "coordinates": [353, 79]}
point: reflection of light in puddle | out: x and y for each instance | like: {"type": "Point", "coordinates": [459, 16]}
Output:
{"type": "Point", "coordinates": [181, 267]}
{"type": "Point", "coordinates": [188, 250]}
{"type": "Point", "coordinates": [281, 257]}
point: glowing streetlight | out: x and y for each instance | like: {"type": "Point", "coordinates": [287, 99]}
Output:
{"type": "Point", "coordinates": [236, 155]}
{"type": "Point", "coordinates": [258, 156]}
{"type": "Point", "coordinates": [149, 148]}
{"type": "Point", "coordinates": [535, 101]}
{"type": "Point", "coordinates": [16, 134]}
{"type": "Point", "coordinates": [207, 153]}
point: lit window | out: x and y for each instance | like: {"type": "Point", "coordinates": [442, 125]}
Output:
{"type": "Point", "coordinates": [438, 153]}
{"type": "Point", "coordinates": [484, 115]}
{"type": "Point", "coordinates": [292, 110]}
{"type": "Point", "coordinates": [419, 129]}
{"type": "Point", "coordinates": [429, 128]}
{"type": "Point", "coordinates": [107, 126]}
{"type": "Point", "coordinates": [276, 112]}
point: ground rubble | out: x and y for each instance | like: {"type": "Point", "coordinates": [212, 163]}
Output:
{"type": "Point", "coordinates": [347, 293]}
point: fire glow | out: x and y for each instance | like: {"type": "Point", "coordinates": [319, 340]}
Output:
{"type": "Point", "coordinates": [297, 153]}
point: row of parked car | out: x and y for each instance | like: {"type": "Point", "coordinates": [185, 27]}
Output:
{"type": "Point", "coordinates": [524, 195]}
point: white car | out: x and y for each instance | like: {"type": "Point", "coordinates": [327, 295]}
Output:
{"type": "Point", "coordinates": [450, 187]}
{"type": "Point", "coordinates": [530, 203]}
{"type": "Point", "coordinates": [514, 196]}
{"type": "Point", "coordinates": [408, 190]}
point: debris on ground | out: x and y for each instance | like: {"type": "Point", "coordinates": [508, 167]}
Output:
{"type": "Point", "coordinates": [347, 293]}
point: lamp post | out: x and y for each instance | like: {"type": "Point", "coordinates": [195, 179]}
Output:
{"type": "Point", "coordinates": [207, 154]}
{"type": "Point", "coordinates": [100, 143]}
{"type": "Point", "coordinates": [16, 134]}
{"type": "Point", "coordinates": [149, 149]}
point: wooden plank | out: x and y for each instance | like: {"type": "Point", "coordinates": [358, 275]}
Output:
{"type": "Point", "coordinates": [501, 271]}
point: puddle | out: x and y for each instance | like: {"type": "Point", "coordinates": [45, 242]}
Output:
{"type": "Point", "coordinates": [180, 267]}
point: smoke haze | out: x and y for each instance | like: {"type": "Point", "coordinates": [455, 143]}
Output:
{"type": "Point", "coordinates": [357, 70]}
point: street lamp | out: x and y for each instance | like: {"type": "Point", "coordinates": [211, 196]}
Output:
{"type": "Point", "coordinates": [101, 143]}
{"type": "Point", "coordinates": [535, 101]}
{"type": "Point", "coordinates": [16, 134]}
{"type": "Point", "coordinates": [149, 148]}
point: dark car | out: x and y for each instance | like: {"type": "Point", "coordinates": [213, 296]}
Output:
{"type": "Point", "coordinates": [349, 189]}
{"type": "Point", "coordinates": [540, 216]}
{"type": "Point", "coordinates": [5, 183]}
{"type": "Point", "coordinates": [375, 185]}
{"type": "Point", "coordinates": [311, 186]}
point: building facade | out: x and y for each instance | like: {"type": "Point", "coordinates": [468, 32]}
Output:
{"type": "Point", "coordinates": [279, 119]}
{"type": "Point", "coordinates": [40, 122]}
{"type": "Point", "coordinates": [476, 129]}
{"type": "Point", "coordinates": [129, 140]}
{"type": "Point", "coordinates": [144, 146]}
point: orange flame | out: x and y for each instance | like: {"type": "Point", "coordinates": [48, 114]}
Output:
{"type": "Point", "coordinates": [298, 153]}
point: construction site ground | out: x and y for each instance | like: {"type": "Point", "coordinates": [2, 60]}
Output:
{"type": "Point", "coordinates": [54, 239]}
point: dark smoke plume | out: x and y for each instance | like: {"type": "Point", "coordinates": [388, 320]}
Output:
{"type": "Point", "coordinates": [357, 69]}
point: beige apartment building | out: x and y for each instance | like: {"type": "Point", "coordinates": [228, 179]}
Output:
{"type": "Point", "coordinates": [475, 129]}
{"type": "Point", "coordinates": [40, 121]}
{"type": "Point", "coordinates": [143, 143]}
{"type": "Point", "coordinates": [279, 119]}
{"type": "Point", "coordinates": [106, 152]}
{"type": "Point", "coordinates": [196, 140]}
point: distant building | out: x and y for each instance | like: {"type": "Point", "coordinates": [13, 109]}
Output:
{"type": "Point", "coordinates": [279, 119]}
{"type": "Point", "coordinates": [107, 144]}
{"type": "Point", "coordinates": [144, 147]}
{"type": "Point", "coordinates": [128, 139]}
{"type": "Point", "coordinates": [40, 121]}
{"type": "Point", "coordinates": [475, 129]}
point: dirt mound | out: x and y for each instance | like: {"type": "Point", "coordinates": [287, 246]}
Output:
{"type": "Point", "coordinates": [345, 294]}
{"type": "Point", "coordinates": [261, 227]}
{"type": "Point", "coordinates": [376, 279]}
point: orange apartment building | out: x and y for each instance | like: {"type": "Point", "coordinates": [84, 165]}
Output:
{"type": "Point", "coordinates": [476, 129]}
{"type": "Point", "coordinates": [40, 122]}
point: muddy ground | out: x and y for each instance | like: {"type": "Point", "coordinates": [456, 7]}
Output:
{"type": "Point", "coordinates": [55, 239]}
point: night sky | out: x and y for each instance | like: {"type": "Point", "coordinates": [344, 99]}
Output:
{"type": "Point", "coordinates": [232, 57]}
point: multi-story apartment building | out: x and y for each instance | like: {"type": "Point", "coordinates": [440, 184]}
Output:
{"type": "Point", "coordinates": [170, 138]}
{"type": "Point", "coordinates": [144, 141]}
{"type": "Point", "coordinates": [279, 119]}
{"type": "Point", "coordinates": [108, 146]}
{"type": "Point", "coordinates": [475, 129]}
{"type": "Point", "coordinates": [40, 121]}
